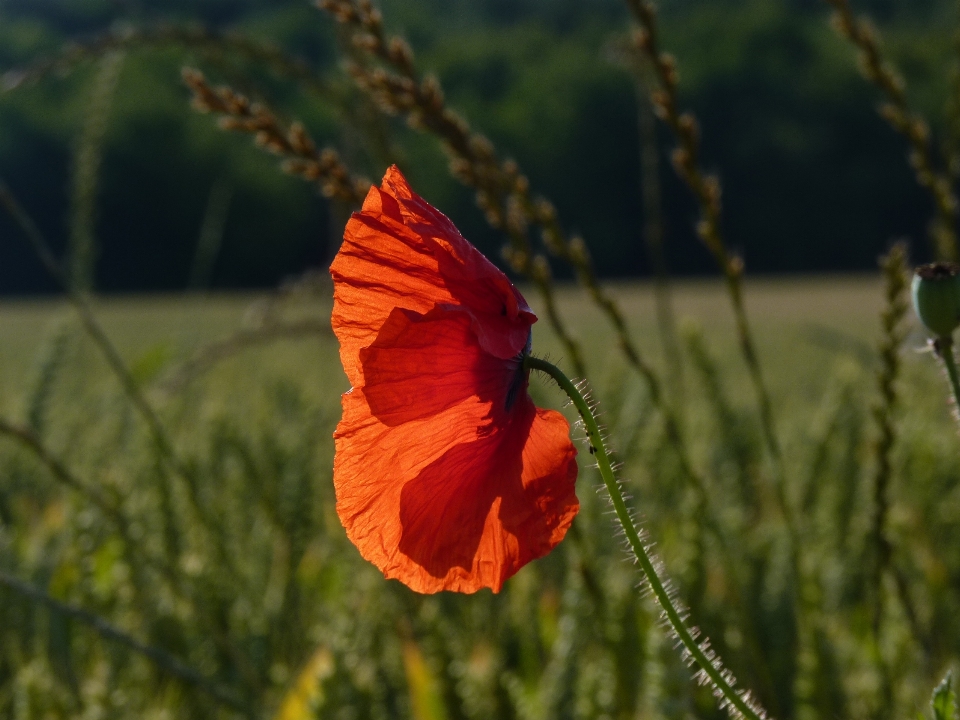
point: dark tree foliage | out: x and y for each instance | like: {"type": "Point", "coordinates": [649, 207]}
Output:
{"type": "Point", "coordinates": [813, 180]}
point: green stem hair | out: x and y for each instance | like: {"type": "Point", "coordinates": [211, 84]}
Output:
{"type": "Point", "coordinates": [739, 704]}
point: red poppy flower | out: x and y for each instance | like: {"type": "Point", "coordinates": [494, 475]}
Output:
{"type": "Point", "coordinates": [447, 476]}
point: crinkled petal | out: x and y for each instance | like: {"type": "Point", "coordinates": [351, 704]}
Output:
{"type": "Point", "coordinates": [465, 518]}
{"type": "Point", "coordinates": [399, 252]}
{"type": "Point", "coordinates": [421, 365]}
{"type": "Point", "coordinates": [373, 462]}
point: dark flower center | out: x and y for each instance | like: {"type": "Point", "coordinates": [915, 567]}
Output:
{"type": "Point", "coordinates": [519, 375]}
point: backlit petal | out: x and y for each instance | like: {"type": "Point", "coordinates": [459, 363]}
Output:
{"type": "Point", "coordinates": [447, 476]}
{"type": "Point", "coordinates": [466, 518]}
{"type": "Point", "coordinates": [421, 365]}
{"type": "Point", "coordinates": [399, 252]}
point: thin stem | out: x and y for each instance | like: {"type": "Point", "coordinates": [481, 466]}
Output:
{"type": "Point", "coordinates": [739, 704]}
{"type": "Point", "coordinates": [944, 348]}
{"type": "Point", "coordinates": [707, 191]}
{"type": "Point", "coordinates": [653, 232]}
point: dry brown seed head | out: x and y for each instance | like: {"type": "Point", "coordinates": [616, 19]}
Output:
{"type": "Point", "coordinates": [681, 160]}
{"type": "Point", "coordinates": [400, 52]}
{"type": "Point", "coordinates": [299, 139]}
{"type": "Point", "coordinates": [415, 120]}
{"type": "Point", "coordinates": [540, 269]}
{"type": "Point", "coordinates": [516, 218]}
{"type": "Point", "coordinates": [481, 147]}
{"type": "Point", "coordinates": [711, 187]}
{"type": "Point", "coordinates": [668, 67]}
{"type": "Point", "coordinates": [704, 230]}
{"type": "Point", "coordinates": [892, 114]}
{"type": "Point", "coordinates": [841, 23]}
{"type": "Point", "coordinates": [460, 125]}
{"type": "Point", "coordinates": [374, 19]}
{"type": "Point", "coordinates": [735, 266]}
{"type": "Point", "coordinates": [460, 168]}
{"type": "Point", "coordinates": [432, 91]}
{"type": "Point", "coordinates": [661, 103]}
{"type": "Point", "coordinates": [920, 130]}
{"type": "Point", "coordinates": [690, 129]}
{"type": "Point", "coordinates": [516, 259]}
{"type": "Point", "coordinates": [641, 38]}
{"type": "Point", "coordinates": [545, 211]}
{"type": "Point", "coordinates": [494, 219]}
{"type": "Point", "coordinates": [866, 31]}
{"type": "Point", "coordinates": [366, 41]}
{"type": "Point", "coordinates": [578, 251]}
{"type": "Point", "coordinates": [294, 167]}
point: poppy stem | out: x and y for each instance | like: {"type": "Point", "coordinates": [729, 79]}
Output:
{"type": "Point", "coordinates": [738, 703]}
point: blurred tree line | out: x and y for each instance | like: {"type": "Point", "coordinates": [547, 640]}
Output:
{"type": "Point", "coordinates": [813, 179]}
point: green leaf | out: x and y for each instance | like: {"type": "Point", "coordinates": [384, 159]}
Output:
{"type": "Point", "coordinates": [944, 700]}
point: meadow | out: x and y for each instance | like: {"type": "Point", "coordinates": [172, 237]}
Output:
{"type": "Point", "coordinates": [170, 544]}
{"type": "Point", "coordinates": [233, 569]}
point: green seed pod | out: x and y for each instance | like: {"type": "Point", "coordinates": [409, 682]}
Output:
{"type": "Point", "coordinates": [936, 297]}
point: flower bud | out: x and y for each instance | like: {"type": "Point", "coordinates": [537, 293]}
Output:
{"type": "Point", "coordinates": [936, 297]}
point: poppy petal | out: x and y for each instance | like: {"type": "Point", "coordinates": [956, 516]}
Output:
{"type": "Point", "coordinates": [447, 476]}
{"type": "Point", "coordinates": [447, 511]}
{"type": "Point", "coordinates": [400, 252]}
{"type": "Point", "coordinates": [433, 359]}
{"type": "Point", "coordinates": [374, 461]}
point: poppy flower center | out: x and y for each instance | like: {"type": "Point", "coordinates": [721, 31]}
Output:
{"type": "Point", "coordinates": [519, 376]}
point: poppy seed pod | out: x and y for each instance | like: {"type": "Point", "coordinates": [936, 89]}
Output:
{"type": "Point", "coordinates": [936, 297]}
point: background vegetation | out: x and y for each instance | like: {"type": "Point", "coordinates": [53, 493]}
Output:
{"type": "Point", "coordinates": [168, 540]}
{"type": "Point", "coordinates": [272, 604]}
{"type": "Point", "coordinates": [814, 180]}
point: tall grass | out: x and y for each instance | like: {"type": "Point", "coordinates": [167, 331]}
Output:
{"type": "Point", "coordinates": [168, 540]}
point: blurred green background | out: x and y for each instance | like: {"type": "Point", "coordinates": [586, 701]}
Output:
{"type": "Point", "coordinates": [166, 458]}
{"type": "Point", "coordinates": [813, 179]}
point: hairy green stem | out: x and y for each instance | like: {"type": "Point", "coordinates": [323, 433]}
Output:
{"type": "Point", "coordinates": [738, 704]}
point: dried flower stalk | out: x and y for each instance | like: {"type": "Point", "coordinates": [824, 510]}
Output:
{"type": "Point", "coordinates": [499, 186]}
{"type": "Point", "coordinates": [894, 266]}
{"type": "Point", "coordinates": [706, 189]}
{"type": "Point", "coordinates": [303, 158]}
{"type": "Point", "coordinates": [910, 124]}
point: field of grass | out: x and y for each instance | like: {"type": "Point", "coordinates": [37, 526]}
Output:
{"type": "Point", "coordinates": [214, 541]}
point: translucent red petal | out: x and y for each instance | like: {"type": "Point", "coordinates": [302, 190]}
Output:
{"type": "Point", "coordinates": [447, 477]}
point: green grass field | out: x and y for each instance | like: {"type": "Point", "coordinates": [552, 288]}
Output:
{"type": "Point", "coordinates": [222, 549]}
